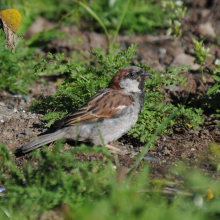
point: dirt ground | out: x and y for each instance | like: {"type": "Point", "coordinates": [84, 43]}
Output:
{"type": "Point", "coordinates": [18, 126]}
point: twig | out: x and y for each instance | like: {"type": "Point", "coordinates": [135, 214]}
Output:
{"type": "Point", "coordinates": [84, 78]}
{"type": "Point", "coordinates": [207, 38]}
{"type": "Point", "coordinates": [214, 135]}
{"type": "Point", "coordinates": [208, 67]}
{"type": "Point", "coordinates": [187, 40]}
{"type": "Point", "coordinates": [166, 191]}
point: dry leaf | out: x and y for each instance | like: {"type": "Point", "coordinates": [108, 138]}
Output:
{"type": "Point", "coordinates": [11, 20]}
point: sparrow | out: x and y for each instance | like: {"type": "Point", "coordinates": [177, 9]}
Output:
{"type": "Point", "coordinates": [106, 116]}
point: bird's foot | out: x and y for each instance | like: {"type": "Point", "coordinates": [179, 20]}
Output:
{"type": "Point", "coordinates": [115, 150]}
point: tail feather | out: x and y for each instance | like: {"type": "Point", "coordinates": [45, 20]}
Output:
{"type": "Point", "coordinates": [42, 140]}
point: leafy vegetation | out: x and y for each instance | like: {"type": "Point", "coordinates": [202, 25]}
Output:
{"type": "Point", "coordinates": [202, 52]}
{"type": "Point", "coordinates": [16, 73]}
{"type": "Point", "coordinates": [81, 190]}
{"type": "Point", "coordinates": [15, 68]}
{"type": "Point", "coordinates": [85, 81]}
{"type": "Point", "coordinates": [109, 12]}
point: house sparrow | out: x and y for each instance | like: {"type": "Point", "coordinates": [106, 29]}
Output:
{"type": "Point", "coordinates": [106, 116]}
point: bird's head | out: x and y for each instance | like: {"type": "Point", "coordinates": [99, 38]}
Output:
{"type": "Point", "coordinates": [129, 79]}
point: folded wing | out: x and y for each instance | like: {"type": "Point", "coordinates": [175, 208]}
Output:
{"type": "Point", "coordinates": [105, 104]}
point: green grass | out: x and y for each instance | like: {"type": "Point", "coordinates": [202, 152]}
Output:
{"type": "Point", "coordinates": [94, 190]}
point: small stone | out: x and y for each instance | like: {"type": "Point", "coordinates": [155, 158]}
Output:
{"type": "Point", "coordinates": [114, 167]}
{"type": "Point", "coordinates": [42, 124]}
{"type": "Point", "coordinates": [207, 29]}
{"type": "Point", "coordinates": [162, 50]}
{"type": "Point", "coordinates": [194, 132]}
{"type": "Point", "coordinates": [185, 59]}
{"type": "Point", "coordinates": [147, 158]}
{"type": "Point", "coordinates": [15, 110]}
{"type": "Point", "coordinates": [198, 200]}
{"type": "Point", "coordinates": [29, 133]}
{"type": "Point", "coordinates": [134, 153]}
{"type": "Point", "coordinates": [172, 88]}
{"type": "Point", "coordinates": [20, 135]}
{"type": "Point", "coordinates": [164, 138]}
{"type": "Point", "coordinates": [2, 189]}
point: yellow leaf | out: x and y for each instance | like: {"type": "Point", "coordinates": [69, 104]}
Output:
{"type": "Point", "coordinates": [210, 195]}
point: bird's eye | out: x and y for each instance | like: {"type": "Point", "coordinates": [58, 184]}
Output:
{"type": "Point", "coordinates": [133, 74]}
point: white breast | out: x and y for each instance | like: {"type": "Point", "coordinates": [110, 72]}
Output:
{"type": "Point", "coordinates": [109, 129]}
{"type": "Point", "coordinates": [112, 129]}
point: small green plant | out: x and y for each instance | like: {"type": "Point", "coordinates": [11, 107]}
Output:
{"type": "Point", "coordinates": [85, 81]}
{"type": "Point", "coordinates": [73, 189]}
{"type": "Point", "coordinates": [58, 178]}
{"type": "Point", "coordinates": [210, 102]}
{"type": "Point", "coordinates": [15, 68]}
{"type": "Point", "coordinates": [201, 52]}
{"type": "Point", "coordinates": [177, 12]}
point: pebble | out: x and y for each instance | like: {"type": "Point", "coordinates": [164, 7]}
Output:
{"type": "Point", "coordinates": [134, 153]}
{"type": "Point", "coordinates": [42, 124]}
{"type": "Point", "coordinates": [2, 121]}
{"type": "Point", "coordinates": [2, 189]}
{"type": "Point", "coordinates": [164, 138]}
{"type": "Point", "coordinates": [147, 158]}
{"type": "Point", "coordinates": [29, 133]}
{"type": "Point", "coordinates": [20, 135]}
{"type": "Point", "coordinates": [194, 132]}
{"type": "Point", "coordinates": [162, 50]}
{"type": "Point", "coordinates": [114, 167]}
{"type": "Point", "coordinates": [198, 200]}
{"type": "Point", "coordinates": [172, 88]}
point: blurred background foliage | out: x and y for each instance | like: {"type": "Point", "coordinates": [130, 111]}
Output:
{"type": "Point", "coordinates": [142, 16]}
{"type": "Point", "coordinates": [61, 187]}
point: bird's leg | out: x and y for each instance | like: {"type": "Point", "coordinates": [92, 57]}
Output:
{"type": "Point", "coordinates": [113, 149]}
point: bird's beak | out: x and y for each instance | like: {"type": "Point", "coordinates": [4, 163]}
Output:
{"type": "Point", "coordinates": [144, 74]}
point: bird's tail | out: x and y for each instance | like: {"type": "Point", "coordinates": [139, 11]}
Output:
{"type": "Point", "coordinates": [42, 140]}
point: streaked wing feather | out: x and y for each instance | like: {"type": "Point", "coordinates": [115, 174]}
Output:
{"type": "Point", "coordinates": [105, 104]}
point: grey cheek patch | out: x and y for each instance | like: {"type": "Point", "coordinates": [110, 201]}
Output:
{"type": "Point", "coordinates": [130, 85]}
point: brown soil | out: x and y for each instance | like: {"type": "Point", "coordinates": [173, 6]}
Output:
{"type": "Point", "coordinates": [18, 126]}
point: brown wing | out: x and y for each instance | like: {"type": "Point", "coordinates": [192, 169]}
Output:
{"type": "Point", "coordinates": [105, 104]}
